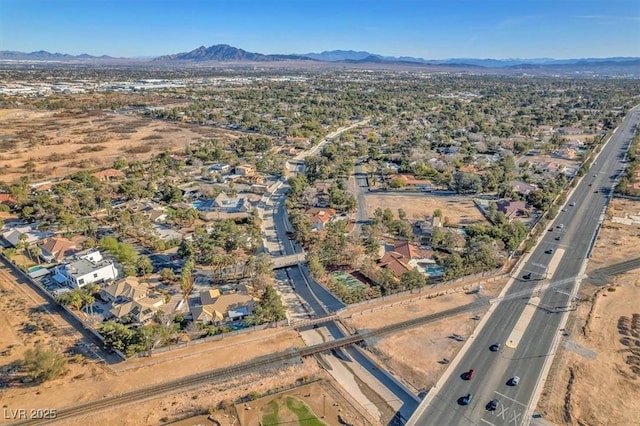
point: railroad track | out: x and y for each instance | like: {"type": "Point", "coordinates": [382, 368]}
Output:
{"type": "Point", "coordinates": [616, 269]}
{"type": "Point", "coordinates": [216, 375]}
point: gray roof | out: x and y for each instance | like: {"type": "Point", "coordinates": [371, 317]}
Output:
{"type": "Point", "coordinates": [83, 267]}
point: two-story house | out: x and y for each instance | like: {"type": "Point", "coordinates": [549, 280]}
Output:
{"type": "Point", "coordinates": [87, 269]}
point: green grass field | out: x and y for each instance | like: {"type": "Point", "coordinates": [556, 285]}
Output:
{"type": "Point", "coordinates": [282, 410]}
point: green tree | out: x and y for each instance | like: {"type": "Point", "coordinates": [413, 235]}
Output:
{"type": "Point", "coordinates": [270, 307]}
{"type": "Point", "coordinates": [413, 279]}
{"type": "Point", "coordinates": [117, 336]}
{"type": "Point", "coordinates": [144, 266]}
{"type": "Point", "coordinates": [43, 364]}
{"type": "Point", "coordinates": [186, 278]}
{"type": "Point", "coordinates": [76, 298]}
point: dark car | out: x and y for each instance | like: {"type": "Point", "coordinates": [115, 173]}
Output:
{"type": "Point", "coordinates": [495, 347]}
{"type": "Point", "coordinates": [550, 251]}
{"type": "Point", "coordinates": [492, 405]}
{"type": "Point", "coordinates": [527, 276]}
{"type": "Point", "coordinates": [468, 375]}
{"type": "Point", "coordinates": [557, 238]}
{"type": "Point", "coordinates": [465, 400]}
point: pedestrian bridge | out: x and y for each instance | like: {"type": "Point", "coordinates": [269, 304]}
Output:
{"type": "Point", "coordinates": [280, 262]}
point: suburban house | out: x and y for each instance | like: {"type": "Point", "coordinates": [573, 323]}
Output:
{"type": "Point", "coordinates": [190, 191]}
{"type": "Point", "coordinates": [108, 175]}
{"type": "Point", "coordinates": [227, 204]}
{"type": "Point", "coordinates": [246, 170]}
{"type": "Point", "coordinates": [126, 290]}
{"type": "Point", "coordinates": [87, 269]}
{"type": "Point", "coordinates": [223, 169]}
{"type": "Point", "coordinates": [567, 153]}
{"type": "Point", "coordinates": [512, 208]}
{"type": "Point", "coordinates": [570, 131]}
{"type": "Point", "coordinates": [550, 167]}
{"type": "Point", "coordinates": [319, 217]}
{"type": "Point", "coordinates": [26, 233]}
{"type": "Point", "coordinates": [141, 310]}
{"type": "Point", "coordinates": [8, 199]}
{"type": "Point", "coordinates": [522, 187]}
{"type": "Point", "coordinates": [406, 256]}
{"type": "Point", "coordinates": [56, 249]}
{"type": "Point", "coordinates": [216, 308]}
{"type": "Point", "coordinates": [411, 181]}
{"type": "Point", "coordinates": [395, 262]}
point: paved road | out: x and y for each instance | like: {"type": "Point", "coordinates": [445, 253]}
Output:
{"type": "Point", "coordinates": [360, 189]}
{"type": "Point", "coordinates": [531, 357]}
{"type": "Point", "coordinates": [319, 300]}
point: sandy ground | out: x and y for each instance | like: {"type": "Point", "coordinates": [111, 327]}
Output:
{"type": "Point", "coordinates": [617, 242]}
{"type": "Point", "coordinates": [455, 210]}
{"type": "Point", "coordinates": [597, 368]}
{"type": "Point", "coordinates": [63, 142]}
{"type": "Point", "coordinates": [430, 343]}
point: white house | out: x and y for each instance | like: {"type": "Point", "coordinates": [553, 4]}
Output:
{"type": "Point", "coordinates": [26, 233]}
{"type": "Point", "coordinates": [220, 168]}
{"type": "Point", "coordinates": [87, 269]}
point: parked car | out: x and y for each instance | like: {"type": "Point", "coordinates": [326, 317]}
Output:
{"type": "Point", "coordinates": [514, 381]}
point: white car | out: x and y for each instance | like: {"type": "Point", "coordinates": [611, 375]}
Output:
{"type": "Point", "coordinates": [514, 381]}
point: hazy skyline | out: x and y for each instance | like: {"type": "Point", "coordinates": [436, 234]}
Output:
{"type": "Point", "coordinates": [431, 29]}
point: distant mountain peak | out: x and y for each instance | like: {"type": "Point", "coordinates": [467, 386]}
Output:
{"type": "Point", "coordinates": [225, 53]}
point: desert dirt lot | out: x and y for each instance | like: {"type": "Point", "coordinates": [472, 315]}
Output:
{"type": "Point", "coordinates": [47, 144]}
{"type": "Point", "coordinates": [430, 343]}
{"type": "Point", "coordinates": [597, 368]}
{"type": "Point", "coordinates": [455, 210]}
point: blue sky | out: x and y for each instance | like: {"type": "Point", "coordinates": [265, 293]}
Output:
{"type": "Point", "coordinates": [431, 29]}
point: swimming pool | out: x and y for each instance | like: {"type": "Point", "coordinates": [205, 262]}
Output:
{"type": "Point", "coordinates": [96, 310]}
{"type": "Point", "coordinates": [202, 204]}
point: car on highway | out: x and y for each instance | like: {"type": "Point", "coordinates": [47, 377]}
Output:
{"type": "Point", "coordinates": [561, 226]}
{"type": "Point", "coordinates": [557, 238]}
{"type": "Point", "coordinates": [495, 347]}
{"type": "Point", "coordinates": [514, 381]}
{"type": "Point", "coordinates": [492, 405]}
{"type": "Point", "coordinates": [465, 400]}
{"type": "Point", "coordinates": [550, 251]}
{"type": "Point", "coordinates": [573, 204]}
{"type": "Point", "coordinates": [468, 375]}
{"type": "Point", "coordinates": [527, 276]}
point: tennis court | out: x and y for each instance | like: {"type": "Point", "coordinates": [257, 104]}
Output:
{"type": "Point", "coordinates": [347, 280]}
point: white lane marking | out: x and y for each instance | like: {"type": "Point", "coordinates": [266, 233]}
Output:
{"type": "Point", "coordinates": [503, 409]}
{"type": "Point", "coordinates": [511, 399]}
{"type": "Point", "coordinates": [489, 423]}
{"type": "Point", "coordinates": [515, 418]}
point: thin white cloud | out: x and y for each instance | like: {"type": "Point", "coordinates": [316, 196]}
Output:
{"type": "Point", "coordinates": [608, 18]}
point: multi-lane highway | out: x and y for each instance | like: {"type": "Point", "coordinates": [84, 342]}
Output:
{"type": "Point", "coordinates": [529, 326]}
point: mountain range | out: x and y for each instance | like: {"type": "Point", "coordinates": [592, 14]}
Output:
{"type": "Point", "coordinates": [226, 53]}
